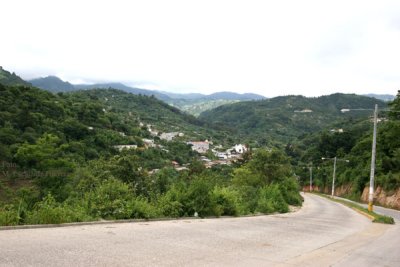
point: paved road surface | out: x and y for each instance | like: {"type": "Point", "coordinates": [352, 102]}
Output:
{"type": "Point", "coordinates": [322, 233]}
{"type": "Point", "coordinates": [382, 251]}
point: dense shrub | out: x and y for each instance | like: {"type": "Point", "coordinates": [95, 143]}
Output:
{"type": "Point", "coordinates": [290, 192]}
{"type": "Point", "coordinates": [48, 211]}
{"type": "Point", "coordinates": [270, 200]}
{"type": "Point", "coordinates": [171, 204]}
{"type": "Point", "coordinates": [226, 201]}
{"type": "Point", "coordinates": [9, 215]}
{"type": "Point", "coordinates": [110, 200]}
{"type": "Point", "coordinates": [140, 208]}
{"type": "Point", "coordinates": [199, 198]}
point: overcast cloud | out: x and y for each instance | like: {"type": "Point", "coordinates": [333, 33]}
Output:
{"type": "Point", "coordinates": [266, 47]}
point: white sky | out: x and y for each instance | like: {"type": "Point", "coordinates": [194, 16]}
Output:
{"type": "Point", "coordinates": [267, 47]}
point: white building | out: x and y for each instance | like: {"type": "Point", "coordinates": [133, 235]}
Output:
{"type": "Point", "coordinates": [240, 149]}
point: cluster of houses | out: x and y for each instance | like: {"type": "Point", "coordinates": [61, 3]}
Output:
{"type": "Point", "coordinates": [232, 152]}
{"type": "Point", "coordinates": [225, 157]}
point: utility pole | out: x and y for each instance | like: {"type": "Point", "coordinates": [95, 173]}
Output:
{"type": "Point", "coordinates": [373, 155]}
{"type": "Point", "coordinates": [334, 176]}
{"type": "Point", "coordinates": [310, 177]}
{"type": "Point", "coordinates": [335, 159]}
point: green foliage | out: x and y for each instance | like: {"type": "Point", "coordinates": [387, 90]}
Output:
{"type": "Point", "coordinates": [268, 176]}
{"type": "Point", "coordinates": [48, 211]}
{"type": "Point", "coordinates": [110, 200]}
{"type": "Point", "coordinates": [279, 120]}
{"type": "Point", "coordinates": [355, 145]}
{"type": "Point", "coordinates": [140, 208]}
{"type": "Point", "coordinates": [172, 203]}
{"type": "Point", "coordinates": [265, 167]}
{"type": "Point", "coordinates": [200, 198]}
{"type": "Point", "coordinates": [271, 200]}
{"type": "Point", "coordinates": [389, 181]}
{"type": "Point", "coordinates": [290, 192]}
{"type": "Point", "coordinates": [227, 201]}
{"type": "Point", "coordinates": [9, 215]}
{"type": "Point", "coordinates": [7, 78]}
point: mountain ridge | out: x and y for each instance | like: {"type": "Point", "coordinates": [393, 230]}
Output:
{"type": "Point", "coordinates": [8, 78]}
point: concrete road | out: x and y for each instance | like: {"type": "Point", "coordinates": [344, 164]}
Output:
{"type": "Point", "coordinates": [380, 251]}
{"type": "Point", "coordinates": [322, 233]}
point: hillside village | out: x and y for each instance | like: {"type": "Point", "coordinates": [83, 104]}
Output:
{"type": "Point", "coordinates": [220, 155]}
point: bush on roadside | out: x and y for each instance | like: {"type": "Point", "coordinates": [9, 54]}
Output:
{"type": "Point", "coordinates": [140, 208]}
{"type": "Point", "coordinates": [9, 215]}
{"type": "Point", "coordinates": [48, 211]}
{"type": "Point", "coordinates": [270, 200]}
{"type": "Point", "coordinates": [110, 200]}
{"type": "Point", "coordinates": [226, 201]}
{"type": "Point", "coordinates": [290, 192]}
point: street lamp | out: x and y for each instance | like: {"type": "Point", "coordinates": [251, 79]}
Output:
{"type": "Point", "coordinates": [310, 167]}
{"type": "Point", "coordinates": [334, 171]}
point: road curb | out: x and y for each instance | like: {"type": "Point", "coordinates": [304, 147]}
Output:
{"type": "Point", "coordinates": [363, 213]}
{"type": "Point", "coordinates": [38, 226]}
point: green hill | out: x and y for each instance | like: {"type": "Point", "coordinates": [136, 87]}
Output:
{"type": "Point", "coordinates": [7, 78]}
{"type": "Point", "coordinates": [149, 110]}
{"type": "Point", "coordinates": [52, 84]}
{"type": "Point", "coordinates": [354, 144]}
{"type": "Point", "coordinates": [284, 119]}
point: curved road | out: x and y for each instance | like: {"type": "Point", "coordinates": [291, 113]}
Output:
{"type": "Point", "coordinates": [322, 233]}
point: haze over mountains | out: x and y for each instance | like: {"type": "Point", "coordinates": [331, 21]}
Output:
{"type": "Point", "coordinates": [55, 84]}
{"type": "Point", "coordinates": [194, 103]}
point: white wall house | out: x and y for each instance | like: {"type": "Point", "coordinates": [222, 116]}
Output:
{"type": "Point", "coordinates": [240, 149]}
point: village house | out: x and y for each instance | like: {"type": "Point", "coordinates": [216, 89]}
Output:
{"type": "Point", "coordinates": [239, 149]}
{"type": "Point", "coordinates": [200, 146]}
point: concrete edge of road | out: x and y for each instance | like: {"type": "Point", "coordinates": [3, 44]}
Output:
{"type": "Point", "coordinates": [362, 213]}
{"type": "Point", "coordinates": [38, 226]}
{"type": "Point", "coordinates": [356, 210]}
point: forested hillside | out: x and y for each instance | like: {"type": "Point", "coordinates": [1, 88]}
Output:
{"type": "Point", "coordinates": [60, 163]}
{"type": "Point", "coordinates": [282, 120]}
{"type": "Point", "coordinates": [354, 144]}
